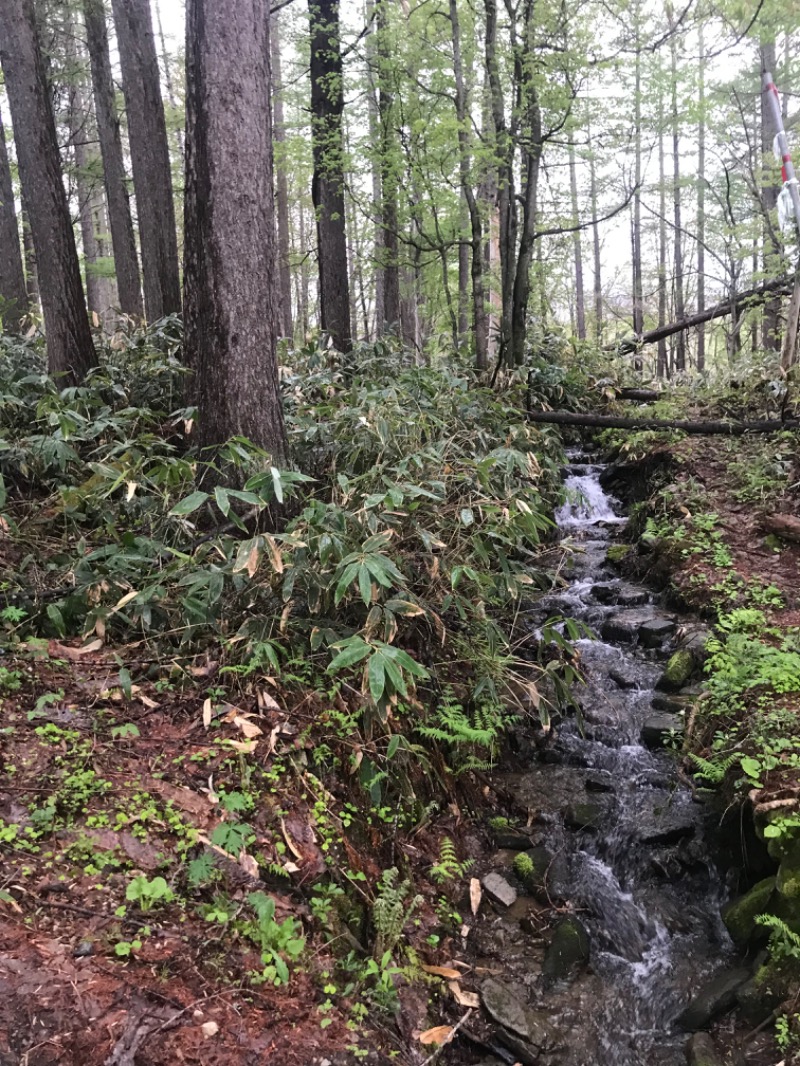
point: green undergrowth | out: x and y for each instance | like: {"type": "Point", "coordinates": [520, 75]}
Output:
{"type": "Point", "coordinates": [341, 635]}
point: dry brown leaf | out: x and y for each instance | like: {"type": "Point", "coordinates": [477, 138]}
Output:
{"type": "Point", "coordinates": [475, 893]}
{"type": "Point", "coordinates": [244, 747]}
{"type": "Point", "coordinates": [248, 864]}
{"type": "Point", "coordinates": [266, 702]}
{"type": "Point", "coordinates": [250, 729]}
{"type": "Point", "coordinates": [252, 560]}
{"type": "Point", "coordinates": [148, 703]}
{"type": "Point", "coordinates": [207, 712]}
{"type": "Point", "coordinates": [440, 1034]}
{"type": "Point", "coordinates": [63, 651]}
{"type": "Point", "coordinates": [274, 553]}
{"type": "Point", "coordinates": [443, 971]}
{"type": "Point", "coordinates": [290, 843]}
{"type": "Point", "coordinates": [464, 999]}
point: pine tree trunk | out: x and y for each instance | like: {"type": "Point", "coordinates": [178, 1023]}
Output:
{"type": "Point", "coordinates": [12, 276]}
{"type": "Point", "coordinates": [123, 241]}
{"type": "Point", "coordinates": [327, 105]}
{"type": "Point", "coordinates": [70, 351]}
{"type": "Point", "coordinates": [281, 182]}
{"type": "Point", "coordinates": [230, 268]}
{"type": "Point", "coordinates": [701, 201]}
{"type": "Point", "coordinates": [152, 177]}
{"type": "Point", "coordinates": [680, 309]}
{"type": "Point", "coordinates": [580, 300]}
{"type": "Point", "coordinates": [375, 171]}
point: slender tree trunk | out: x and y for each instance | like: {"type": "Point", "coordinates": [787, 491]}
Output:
{"type": "Point", "coordinates": [636, 232]}
{"type": "Point", "coordinates": [302, 276]}
{"type": "Point", "coordinates": [598, 276]}
{"type": "Point", "coordinates": [12, 276]}
{"type": "Point", "coordinates": [29, 256]}
{"type": "Point", "coordinates": [123, 241]}
{"type": "Point", "coordinates": [168, 79]}
{"type": "Point", "coordinates": [701, 201]}
{"type": "Point", "coordinates": [70, 350]}
{"type": "Point", "coordinates": [463, 274]}
{"type": "Point", "coordinates": [152, 177]}
{"type": "Point", "coordinates": [281, 181]}
{"type": "Point", "coordinates": [327, 104]}
{"type": "Point", "coordinates": [680, 309]}
{"type": "Point", "coordinates": [531, 150]}
{"type": "Point", "coordinates": [580, 303]}
{"type": "Point", "coordinates": [770, 323]}
{"type": "Point", "coordinates": [389, 167]}
{"type": "Point", "coordinates": [662, 366]}
{"type": "Point", "coordinates": [480, 318]}
{"type": "Point", "coordinates": [101, 295]}
{"type": "Point", "coordinates": [230, 273]}
{"type": "Point", "coordinates": [375, 170]}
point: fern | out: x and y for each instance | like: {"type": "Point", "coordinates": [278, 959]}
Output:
{"type": "Point", "coordinates": [449, 867]}
{"type": "Point", "coordinates": [391, 911]}
{"type": "Point", "coordinates": [784, 943]}
{"type": "Point", "coordinates": [713, 770]}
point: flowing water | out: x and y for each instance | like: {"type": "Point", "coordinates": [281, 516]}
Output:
{"type": "Point", "coordinates": [632, 846]}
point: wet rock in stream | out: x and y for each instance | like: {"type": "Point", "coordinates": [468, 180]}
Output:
{"type": "Point", "coordinates": [700, 1051]}
{"type": "Point", "coordinates": [658, 729]}
{"type": "Point", "coordinates": [568, 950]}
{"type": "Point", "coordinates": [716, 997]}
{"type": "Point", "coordinates": [498, 889]}
{"type": "Point", "coordinates": [525, 1031]}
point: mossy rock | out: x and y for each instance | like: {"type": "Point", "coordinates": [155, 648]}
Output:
{"type": "Point", "coordinates": [568, 950]}
{"type": "Point", "coordinates": [618, 553]}
{"type": "Point", "coordinates": [740, 916]}
{"type": "Point", "coordinates": [677, 672]}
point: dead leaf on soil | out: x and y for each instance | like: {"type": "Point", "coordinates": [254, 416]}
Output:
{"type": "Point", "coordinates": [244, 747]}
{"type": "Point", "coordinates": [248, 864]}
{"type": "Point", "coordinates": [464, 999]}
{"type": "Point", "coordinates": [266, 702]}
{"type": "Point", "coordinates": [209, 1029]}
{"type": "Point", "coordinates": [475, 893]}
{"type": "Point", "coordinates": [207, 711]}
{"type": "Point", "coordinates": [63, 651]}
{"type": "Point", "coordinates": [250, 729]}
{"type": "Point", "coordinates": [440, 1034]}
{"type": "Point", "coordinates": [443, 971]}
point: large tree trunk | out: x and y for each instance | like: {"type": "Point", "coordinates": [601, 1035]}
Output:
{"type": "Point", "coordinates": [281, 182]}
{"type": "Point", "coordinates": [327, 105]}
{"type": "Point", "coordinates": [770, 324]}
{"type": "Point", "coordinates": [152, 178]}
{"type": "Point", "coordinates": [680, 309]}
{"type": "Point", "coordinates": [230, 271]}
{"type": "Point", "coordinates": [701, 199]}
{"type": "Point", "coordinates": [123, 241]}
{"type": "Point", "coordinates": [12, 277]}
{"type": "Point", "coordinates": [70, 350]}
{"type": "Point", "coordinates": [577, 251]}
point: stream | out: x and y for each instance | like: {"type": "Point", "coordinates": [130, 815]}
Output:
{"type": "Point", "coordinates": [628, 844]}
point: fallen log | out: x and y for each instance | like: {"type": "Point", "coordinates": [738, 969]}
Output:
{"type": "Point", "coordinates": [784, 526]}
{"type": "Point", "coordinates": [758, 294]}
{"type": "Point", "coordinates": [642, 395]}
{"type": "Point", "coordinates": [590, 421]}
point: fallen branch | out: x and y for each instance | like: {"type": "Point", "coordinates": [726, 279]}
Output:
{"type": "Point", "coordinates": [757, 295]}
{"type": "Point", "coordinates": [785, 526]}
{"type": "Point", "coordinates": [591, 421]}
{"type": "Point", "coordinates": [642, 395]}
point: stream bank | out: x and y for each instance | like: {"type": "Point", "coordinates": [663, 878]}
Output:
{"type": "Point", "coordinates": [605, 944]}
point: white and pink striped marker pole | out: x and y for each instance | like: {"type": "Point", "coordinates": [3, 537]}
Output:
{"type": "Point", "coordinates": [787, 167]}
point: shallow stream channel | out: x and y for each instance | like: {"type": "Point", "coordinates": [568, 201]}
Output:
{"type": "Point", "coordinates": [618, 842]}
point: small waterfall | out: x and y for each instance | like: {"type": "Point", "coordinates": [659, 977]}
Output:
{"type": "Point", "coordinates": [655, 936]}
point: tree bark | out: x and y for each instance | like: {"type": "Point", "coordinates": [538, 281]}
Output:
{"type": "Point", "coordinates": [701, 200]}
{"type": "Point", "coordinates": [327, 105]}
{"type": "Point", "coordinates": [12, 276]}
{"type": "Point", "coordinates": [590, 421]}
{"type": "Point", "coordinates": [29, 256]}
{"type": "Point", "coordinates": [123, 240]}
{"type": "Point", "coordinates": [580, 303]}
{"type": "Point", "coordinates": [70, 351]}
{"type": "Point", "coordinates": [281, 182]}
{"type": "Point", "coordinates": [375, 171]}
{"type": "Point", "coordinates": [230, 269]}
{"type": "Point", "coordinates": [152, 178]}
